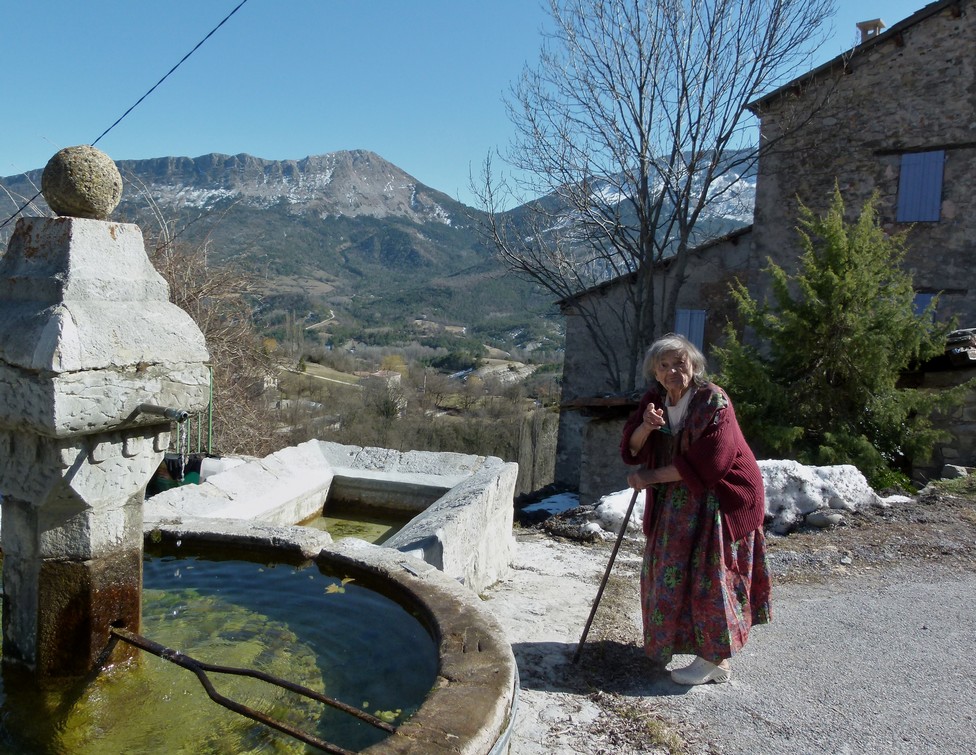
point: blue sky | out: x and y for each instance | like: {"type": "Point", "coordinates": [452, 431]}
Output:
{"type": "Point", "coordinates": [420, 82]}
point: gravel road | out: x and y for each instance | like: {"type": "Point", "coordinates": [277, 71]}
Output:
{"type": "Point", "coordinates": [873, 658]}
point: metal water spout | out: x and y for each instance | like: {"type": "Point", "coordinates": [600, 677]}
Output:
{"type": "Point", "coordinates": [174, 415]}
{"type": "Point", "coordinates": [88, 341]}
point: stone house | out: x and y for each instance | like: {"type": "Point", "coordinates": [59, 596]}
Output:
{"type": "Point", "coordinates": [896, 116]}
{"type": "Point", "coordinates": [384, 391]}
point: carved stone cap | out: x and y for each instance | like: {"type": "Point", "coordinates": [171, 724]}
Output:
{"type": "Point", "coordinates": [53, 260]}
{"type": "Point", "coordinates": [79, 294]}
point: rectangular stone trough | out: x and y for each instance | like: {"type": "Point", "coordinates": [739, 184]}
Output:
{"type": "Point", "coordinates": [462, 504]}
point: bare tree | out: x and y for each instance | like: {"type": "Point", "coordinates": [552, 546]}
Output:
{"type": "Point", "coordinates": [217, 297]}
{"type": "Point", "coordinates": [629, 127]}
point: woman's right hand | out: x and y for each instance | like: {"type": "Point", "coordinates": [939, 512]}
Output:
{"type": "Point", "coordinates": [653, 418]}
{"type": "Point", "coordinates": [640, 479]}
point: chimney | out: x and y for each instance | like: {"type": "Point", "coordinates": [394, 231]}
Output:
{"type": "Point", "coordinates": [870, 29]}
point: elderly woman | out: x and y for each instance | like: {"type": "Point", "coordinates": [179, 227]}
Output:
{"type": "Point", "coordinates": [704, 580]}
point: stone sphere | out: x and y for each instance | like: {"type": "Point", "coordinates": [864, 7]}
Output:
{"type": "Point", "coordinates": [82, 182]}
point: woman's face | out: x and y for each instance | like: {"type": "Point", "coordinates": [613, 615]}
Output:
{"type": "Point", "coordinates": [674, 371]}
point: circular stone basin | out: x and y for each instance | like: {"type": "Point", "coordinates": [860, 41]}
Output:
{"type": "Point", "coordinates": [437, 667]}
{"type": "Point", "coordinates": [471, 707]}
{"type": "Point", "coordinates": [297, 622]}
{"type": "Point", "coordinates": [293, 621]}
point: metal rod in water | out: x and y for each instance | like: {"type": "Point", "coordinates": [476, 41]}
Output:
{"type": "Point", "coordinates": [177, 415]}
{"type": "Point", "coordinates": [200, 668]}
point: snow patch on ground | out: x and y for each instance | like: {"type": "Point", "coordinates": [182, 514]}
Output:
{"type": "Point", "coordinates": [793, 493]}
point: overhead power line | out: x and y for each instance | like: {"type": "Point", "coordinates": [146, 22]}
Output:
{"type": "Point", "coordinates": [139, 101]}
{"type": "Point", "coordinates": [182, 60]}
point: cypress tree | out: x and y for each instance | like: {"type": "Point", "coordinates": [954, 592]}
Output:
{"type": "Point", "coordinates": [822, 385]}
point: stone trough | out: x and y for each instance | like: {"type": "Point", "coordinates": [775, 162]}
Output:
{"type": "Point", "coordinates": [462, 504]}
{"type": "Point", "coordinates": [459, 542]}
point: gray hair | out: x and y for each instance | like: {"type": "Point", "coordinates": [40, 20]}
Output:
{"type": "Point", "coordinates": [672, 343]}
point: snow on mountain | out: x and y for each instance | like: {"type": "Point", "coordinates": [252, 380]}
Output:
{"type": "Point", "coordinates": [733, 197]}
{"type": "Point", "coordinates": [351, 184]}
{"type": "Point", "coordinates": [731, 201]}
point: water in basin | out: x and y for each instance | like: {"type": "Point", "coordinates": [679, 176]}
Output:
{"type": "Point", "coordinates": [296, 622]}
{"type": "Point", "coordinates": [374, 528]}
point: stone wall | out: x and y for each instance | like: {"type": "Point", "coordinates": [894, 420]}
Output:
{"type": "Point", "coordinates": [912, 90]}
{"type": "Point", "coordinates": [960, 423]}
{"type": "Point", "coordinates": [536, 450]}
{"type": "Point", "coordinates": [602, 471]}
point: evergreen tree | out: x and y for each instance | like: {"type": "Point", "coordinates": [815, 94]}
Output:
{"type": "Point", "coordinates": [823, 386]}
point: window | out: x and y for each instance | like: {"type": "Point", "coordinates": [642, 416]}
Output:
{"type": "Point", "coordinates": [690, 323]}
{"type": "Point", "coordinates": [920, 187]}
{"type": "Point", "coordinates": [922, 301]}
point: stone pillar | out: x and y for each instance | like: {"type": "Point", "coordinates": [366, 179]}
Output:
{"type": "Point", "coordinates": [87, 334]}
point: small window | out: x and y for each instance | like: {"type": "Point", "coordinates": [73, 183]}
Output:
{"type": "Point", "coordinates": [922, 302]}
{"type": "Point", "coordinates": [920, 187]}
{"type": "Point", "coordinates": [690, 323]}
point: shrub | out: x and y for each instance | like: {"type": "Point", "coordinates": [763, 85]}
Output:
{"type": "Point", "coordinates": [822, 386]}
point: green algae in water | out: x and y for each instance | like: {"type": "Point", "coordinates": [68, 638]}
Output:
{"type": "Point", "coordinates": [372, 529]}
{"type": "Point", "coordinates": [295, 623]}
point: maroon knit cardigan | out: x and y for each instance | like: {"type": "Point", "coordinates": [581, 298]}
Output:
{"type": "Point", "coordinates": [718, 460]}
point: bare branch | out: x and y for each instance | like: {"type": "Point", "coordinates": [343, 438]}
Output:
{"type": "Point", "coordinates": [218, 298]}
{"type": "Point", "coordinates": [630, 126]}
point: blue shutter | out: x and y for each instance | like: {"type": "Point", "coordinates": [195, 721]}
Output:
{"type": "Point", "coordinates": [690, 323]}
{"type": "Point", "coordinates": [920, 187]}
{"type": "Point", "coordinates": [921, 303]}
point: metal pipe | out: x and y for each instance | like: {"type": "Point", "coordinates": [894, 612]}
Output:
{"type": "Point", "coordinates": [200, 668]}
{"type": "Point", "coordinates": [210, 417]}
{"type": "Point", "coordinates": [176, 415]}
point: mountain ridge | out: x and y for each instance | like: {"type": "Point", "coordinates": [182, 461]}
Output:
{"type": "Point", "coordinates": [350, 183]}
{"type": "Point", "coordinates": [346, 235]}
{"type": "Point", "coordinates": [342, 233]}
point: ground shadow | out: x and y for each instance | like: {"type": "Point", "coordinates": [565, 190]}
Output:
{"type": "Point", "coordinates": [604, 666]}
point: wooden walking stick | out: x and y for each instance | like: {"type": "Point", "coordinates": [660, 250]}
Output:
{"type": "Point", "coordinates": [606, 574]}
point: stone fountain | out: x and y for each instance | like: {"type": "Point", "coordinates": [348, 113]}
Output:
{"type": "Point", "coordinates": [95, 363]}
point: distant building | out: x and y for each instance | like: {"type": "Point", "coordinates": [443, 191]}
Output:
{"type": "Point", "coordinates": [383, 389]}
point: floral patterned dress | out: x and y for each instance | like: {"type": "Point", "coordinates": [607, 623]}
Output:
{"type": "Point", "coordinates": [700, 593]}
